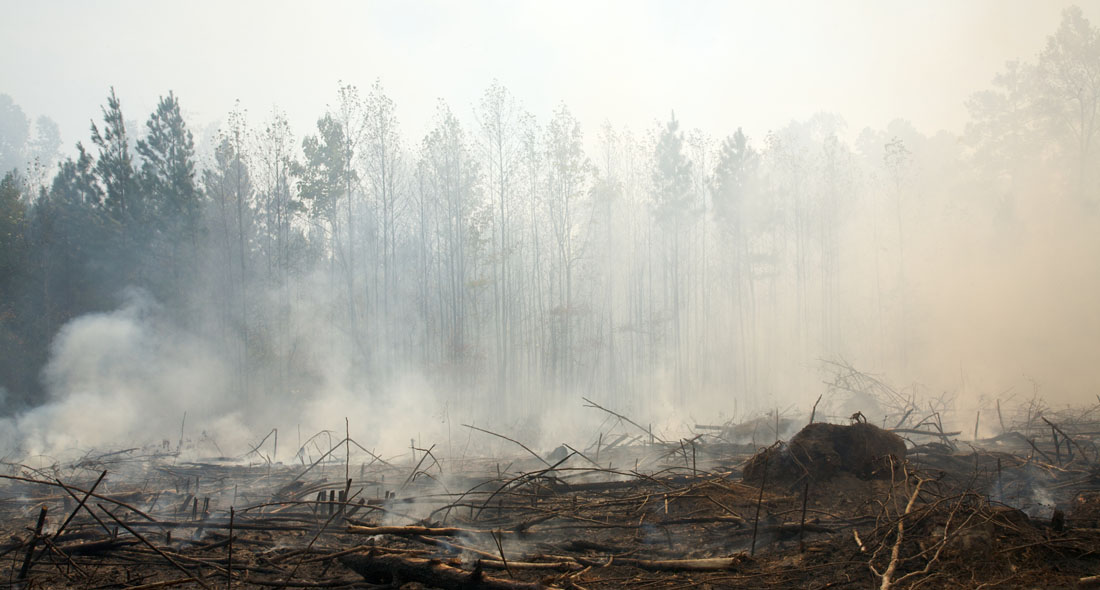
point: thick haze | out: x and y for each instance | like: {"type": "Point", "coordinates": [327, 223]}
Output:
{"type": "Point", "coordinates": [430, 214]}
{"type": "Point", "coordinates": [756, 65]}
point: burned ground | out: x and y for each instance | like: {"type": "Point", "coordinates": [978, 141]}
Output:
{"type": "Point", "coordinates": [1013, 511]}
{"type": "Point", "coordinates": [821, 451]}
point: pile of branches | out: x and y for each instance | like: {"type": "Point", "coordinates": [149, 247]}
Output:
{"type": "Point", "coordinates": [931, 534]}
{"type": "Point", "coordinates": [650, 513]}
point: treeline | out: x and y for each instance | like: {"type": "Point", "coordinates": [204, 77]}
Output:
{"type": "Point", "coordinates": [511, 260]}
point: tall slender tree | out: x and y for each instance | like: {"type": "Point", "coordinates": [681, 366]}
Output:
{"type": "Point", "coordinates": [115, 166]}
{"type": "Point", "coordinates": [172, 200]}
{"type": "Point", "coordinates": [498, 115]}
{"type": "Point", "coordinates": [567, 171]}
{"type": "Point", "coordinates": [674, 209]}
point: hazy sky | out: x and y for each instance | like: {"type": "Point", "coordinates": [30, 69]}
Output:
{"type": "Point", "coordinates": [718, 64]}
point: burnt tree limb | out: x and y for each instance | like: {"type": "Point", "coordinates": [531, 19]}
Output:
{"type": "Point", "coordinates": [378, 568]}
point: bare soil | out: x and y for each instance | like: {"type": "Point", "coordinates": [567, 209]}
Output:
{"type": "Point", "coordinates": [994, 514]}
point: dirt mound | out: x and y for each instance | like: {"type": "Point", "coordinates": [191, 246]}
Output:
{"type": "Point", "coordinates": [823, 450]}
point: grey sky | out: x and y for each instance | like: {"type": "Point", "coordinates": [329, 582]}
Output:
{"type": "Point", "coordinates": [718, 64]}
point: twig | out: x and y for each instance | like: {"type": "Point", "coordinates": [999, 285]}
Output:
{"type": "Point", "coordinates": [79, 505]}
{"type": "Point", "coordinates": [895, 551]}
{"type": "Point", "coordinates": [593, 404]}
{"type": "Point", "coordinates": [802, 523]}
{"type": "Point", "coordinates": [71, 488]}
{"type": "Point", "coordinates": [412, 474]}
{"type": "Point", "coordinates": [34, 540]}
{"type": "Point", "coordinates": [311, 542]}
{"type": "Point", "coordinates": [347, 462]}
{"type": "Point", "coordinates": [174, 563]}
{"type": "Point", "coordinates": [1040, 451]}
{"type": "Point", "coordinates": [1067, 437]}
{"type": "Point", "coordinates": [759, 501]}
{"type": "Point", "coordinates": [498, 538]}
{"type": "Point", "coordinates": [229, 552]}
{"type": "Point", "coordinates": [523, 446]}
{"type": "Point", "coordinates": [256, 448]}
{"type": "Point", "coordinates": [420, 530]}
{"type": "Point", "coordinates": [330, 451]}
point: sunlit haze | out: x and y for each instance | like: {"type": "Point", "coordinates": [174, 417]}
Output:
{"type": "Point", "coordinates": [722, 65]}
{"type": "Point", "coordinates": [422, 214]}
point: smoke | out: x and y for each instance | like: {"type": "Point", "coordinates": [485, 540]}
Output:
{"type": "Point", "coordinates": [902, 254]}
{"type": "Point", "coordinates": [135, 376]}
{"type": "Point", "coordinates": [994, 306]}
{"type": "Point", "coordinates": [1003, 305]}
{"type": "Point", "coordinates": [126, 376]}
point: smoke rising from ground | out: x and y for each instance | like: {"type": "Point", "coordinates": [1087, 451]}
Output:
{"type": "Point", "coordinates": [502, 265]}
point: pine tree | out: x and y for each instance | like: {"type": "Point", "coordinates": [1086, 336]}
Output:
{"type": "Point", "coordinates": [229, 187]}
{"type": "Point", "coordinates": [168, 170]}
{"type": "Point", "coordinates": [567, 172]}
{"type": "Point", "coordinates": [673, 209]}
{"type": "Point", "coordinates": [13, 267]}
{"type": "Point", "coordinates": [172, 203]}
{"type": "Point", "coordinates": [115, 166]}
{"type": "Point", "coordinates": [12, 243]}
{"type": "Point", "coordinates": [671, 177]}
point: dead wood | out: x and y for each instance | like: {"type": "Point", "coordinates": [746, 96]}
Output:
{"type": "Point", "coordinates": [686, 565]}
{"type": "Point", "coordinates": [647, 431]}
{"type": "Point", "coordinates": [97, 547]}
{"type": "Point", "coordinates": [430, 572]}
{"type": "Point", "coordinates": [678, 519]}
{"type": "Point", "coordinates": [30, 546]}
{"type": "Point", "coordinates": [1089, 582]}
{"type": "Point", "coordinates": [72, 489]}
{"type": "Point", "coordinates": [167, 558]}
{"type": "Point", "coordinates": [513, 441]}
{"type": "Point", "coordinates": [421, 530]}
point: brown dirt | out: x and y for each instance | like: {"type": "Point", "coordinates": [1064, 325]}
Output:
{"type": "Point", "coordinates": [822, 451]}
{"type": "Point", "coordinates": [672, 517]}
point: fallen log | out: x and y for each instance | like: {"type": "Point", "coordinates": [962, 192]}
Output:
{"type": "Point", "coordinates": [96, 547]}
{"type": "Point", "coordinates": [562, 564]}
{"type": "Point", "coordinates": [430, 572]}
{"type": "Point", "coordinates": [412, 530]}
{"type": "Point", "coordinates": [711, 564]}
{"type": "Point", "coordinates": [925, 432]}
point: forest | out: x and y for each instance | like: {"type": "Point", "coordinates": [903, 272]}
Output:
{"type": "Point", "coordinates": [508, 263]}
{"type": "Point", "coordinates": [549, 296]}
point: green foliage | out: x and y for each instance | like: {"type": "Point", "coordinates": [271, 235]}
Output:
{"type": "Point", "coordinates": [449, 174]}
{"type": "Point", "coordinates": [505, 238]}
{"type": "Point", "coordinates": [672, 177]}
{"type": "Point", "coordinates": [13, 271]}
{"type": "Point", "coordinates": [12, 238]}
{"type": "Point", "coordinates": [568, 167]}
{"type": "Point", "coordinates": [171, 203]}
{"type": "Point", "coordinates": [115, 166]}
{"type": "Point", "coordinates": [730, 183]}
{"type": "Point", "coordinates": [228, 185]}
{"type": "Point", "coordinates": [168, 168]}
{"type": "Point", "coordinates": [322, 174]}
